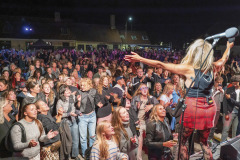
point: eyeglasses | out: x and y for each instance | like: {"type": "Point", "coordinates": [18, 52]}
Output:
{"type": "Point", "coordinates": [144, 88]}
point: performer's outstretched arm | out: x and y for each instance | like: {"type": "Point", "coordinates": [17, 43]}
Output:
{"type": "Point", "coordinates": [221, 62]}
{"type": "Point", "coordinates": [181, 69]}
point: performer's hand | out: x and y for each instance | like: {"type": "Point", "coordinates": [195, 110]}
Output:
{"type": "Point", "coordinates": [227, 117]}
{"type": "Point", "coordinates": [169, 144]}
{"type": "Point", "coordinates": [228, 96]}
{"type": "Point", "coordinates": [132, 58]}
{"type": "Point", "coordinates": [230, 44]}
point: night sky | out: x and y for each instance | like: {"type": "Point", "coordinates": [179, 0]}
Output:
{"type": "Point", "coordinates": [175, 21]}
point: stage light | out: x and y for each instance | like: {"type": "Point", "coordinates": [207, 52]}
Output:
{"type": "Point", "coordinates": [26, 29]}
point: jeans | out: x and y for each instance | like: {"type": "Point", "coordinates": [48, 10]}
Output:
{"type": "Point", "coordinates": [233, 120]}
{"type": "Point", "coordinates": [87, 124]}
{"type": "Point", "coordinates": [75, 138]}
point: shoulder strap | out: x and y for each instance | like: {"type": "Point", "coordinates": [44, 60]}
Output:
{"type": "Point", "coordinates": [24, 139]}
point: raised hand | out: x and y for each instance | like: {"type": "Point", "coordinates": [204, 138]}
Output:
{"type": "Point", "coordinates": [52, 134]}
{"type": "Point", "coordinates": [132, 58]}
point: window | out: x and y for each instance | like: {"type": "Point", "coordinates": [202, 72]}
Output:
{"type": "Point", "coordinates": [101, 47]}
{"type": "Point", "coordinates": [49, 43]}
{"type": "Point", "coordinates": [89, 47]}
{"type": "Point", "coordinates": [5, 44]}
{"type": "Point", "coordinates": [122, 36]}
{"type": "Point", "coordinates": [115, 46]}
{"type": "Point", "coordinates": [28, 44]}
{"type": "Point", "coordinates": [65, 44]}
{"type": "Point", "coordinates": [80, 47]}
{"type": "Point", "coordinates": [144, 37]}
{"type": "Point", "coordinates": [134, 37]}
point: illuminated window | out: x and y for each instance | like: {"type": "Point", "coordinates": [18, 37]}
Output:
{"type": "Point", "coordinates": [145, 37]}
{"type": "Point", "coordinates": [134, 37]}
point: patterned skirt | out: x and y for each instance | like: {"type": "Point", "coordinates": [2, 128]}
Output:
{"type": "Point", "coordinates": [47, 154]}
{"type": "Point", "coordinates": [199, 112]}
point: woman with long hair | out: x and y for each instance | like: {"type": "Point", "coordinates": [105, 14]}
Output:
{"type": "Point", "coordinates": [158, 134]}
{"type": "Point", "coordinates": [87, 100]}
{"type": "Point", "coordinates": [6, 121]}
{"type": "Point", "coordinates": [105, 146]}
{"type": "Point", "coordinates": [141, 105]}
{"type": "Point", "coordinates": [104, 112]}
{"type": "Point", "coordinates": [34, 134]}
{"type": "Point", "coordinates": [157, 90]}
{"type": "Point", "coordinates": [126, 138]}
{"type": "Point", "coordinates": [48, 96]}
{"type": "Point", "coordinates": [30, 72]}
{"type": "Point", "coordinates": [16, 80]}
{"type": "Point", "coordinates": [198, 114]}
{"type": "Point", "coordinates": [67, 102]}
{"type": "Point", "coordinates": [3, 86]}
{"type": "Point", "coordinates": [11, 97]}
{"type": "Point", "coordinates": [32, 95]}
{"type": "Point", "coordinates": [38, 76]}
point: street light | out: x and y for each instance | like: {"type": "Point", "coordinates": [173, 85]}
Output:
{"type": "Point", "coordinates": [129, 19]}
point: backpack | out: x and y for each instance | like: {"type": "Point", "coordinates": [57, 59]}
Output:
{"type": "Point", "coordinates": [8, 140]}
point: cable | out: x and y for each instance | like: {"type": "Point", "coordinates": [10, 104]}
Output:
{"type": "Point", "coordinates": [198, 83]}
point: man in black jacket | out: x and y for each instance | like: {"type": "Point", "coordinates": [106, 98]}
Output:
{"type": "Point", "coordinates": [230, 111]}
{"type": "Point", "coordinates": [140, 78]}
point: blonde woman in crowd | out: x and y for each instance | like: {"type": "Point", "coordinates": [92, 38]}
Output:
{"type": "Point", "coordinates": [126, 137]}
{"type": "Point", "coordinates": [105, 146]}
{"type": "Point", "coordinates": [104, 112]}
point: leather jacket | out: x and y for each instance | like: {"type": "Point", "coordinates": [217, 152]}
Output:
{"type": "Point", "coordinates": [157, 132]}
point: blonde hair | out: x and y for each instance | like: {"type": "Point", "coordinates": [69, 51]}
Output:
{"type": "Point", "coordinates": [51, 94]}
{"type": "Point", "coordinates": [88, 81]}
{"type": "Point", "coordinates": [101, 141]}
{"type": "Point", "coordinates": [100, 85]}
{"type": "Point", "coordinates": [2, 104]}
{"type": "Point", "coordinates": [196, 54]}
{"type": "Point", "coordinates": [118, 125]}
{"type": "Point", "coordinates": [153, 115]}
{"type": "Point", "coordinates": [167, 87]}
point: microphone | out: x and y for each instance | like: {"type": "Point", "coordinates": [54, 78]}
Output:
{"type": "Point", "coordinates": [229, 33]}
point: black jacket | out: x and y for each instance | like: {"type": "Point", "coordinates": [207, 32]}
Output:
{"type": "Point", "coordinates": [157, 132]}
{"type": "Point", "coordinates": [227, 104]}
{"type": "Point", "coordinates": [106, 109]}
{"type": "Point", "coordinates": [136, 82]}
{"type": "Point", "coordinates": [49, 123]}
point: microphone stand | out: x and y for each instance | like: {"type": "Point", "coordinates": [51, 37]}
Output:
{"type": "Point", "coordinates": [182, 100]}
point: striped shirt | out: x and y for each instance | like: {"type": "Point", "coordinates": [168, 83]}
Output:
{"type": "Point", "coordinates": [113, 151]}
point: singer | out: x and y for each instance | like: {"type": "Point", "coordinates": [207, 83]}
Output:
{"type": "Point", "coordinates": [201, 109]}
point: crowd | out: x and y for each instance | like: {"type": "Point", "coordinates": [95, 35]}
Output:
{"type": "Point", "coordinates": [96, 104]}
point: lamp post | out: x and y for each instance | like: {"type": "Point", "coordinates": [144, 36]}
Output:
{"type": "Point", "coordinates": [129, 19]}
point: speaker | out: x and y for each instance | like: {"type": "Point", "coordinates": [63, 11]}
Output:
{"type": "Point", "coordinates": [231, 150]}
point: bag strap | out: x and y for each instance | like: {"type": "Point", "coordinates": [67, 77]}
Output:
{"type": "Point", "coordinates": [24, 139]}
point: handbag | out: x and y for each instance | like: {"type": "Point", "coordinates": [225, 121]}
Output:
{"type": "Point", "coordinates": [55, 146]}
{"type": "Point", "coordinates": [167, 155]}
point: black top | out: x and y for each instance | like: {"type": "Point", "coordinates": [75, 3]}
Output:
{"type": "Point", "coordinates": [49, 123]}
{"type": "Point", "coordinates": [202, 86]}
{"type": "Point", "coordinates": [3, 131]}
{"type": "Point", "coordinates": [88, 104]}
{"type": "Point", "coordinates": [107, 108]}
